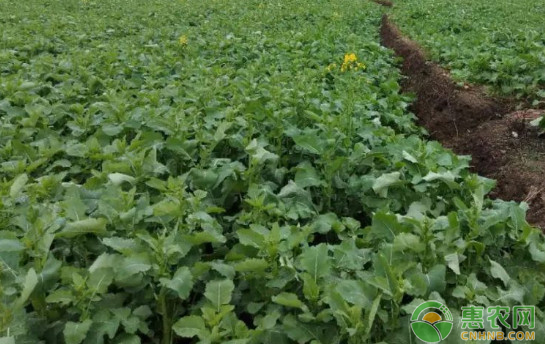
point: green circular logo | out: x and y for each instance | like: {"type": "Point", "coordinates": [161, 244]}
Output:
{"type": "Point", "coordinates": [431, 322]}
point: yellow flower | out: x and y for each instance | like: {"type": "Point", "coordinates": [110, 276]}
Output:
{"type": "Point", "coordinates": [182, 40]}
{"type": "Point", "coordinates": [361, 65]}
{"type": "Point", "coordinates": [350, 58]}
{"type": "Point", "coordinates": [350, 62]}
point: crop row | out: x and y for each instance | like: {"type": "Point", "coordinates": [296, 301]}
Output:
{"type": "Point", "coordinates": [495, 43]}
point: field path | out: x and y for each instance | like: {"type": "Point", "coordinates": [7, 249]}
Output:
{"type": "Point", "coordinates": [501, 142]}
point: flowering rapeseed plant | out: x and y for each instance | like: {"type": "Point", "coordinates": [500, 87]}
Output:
{"type": "Point", "coordinates": [350, 62]}
{"type": "Point", "coordinates": [182, 40]}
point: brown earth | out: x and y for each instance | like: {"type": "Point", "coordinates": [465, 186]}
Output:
{"type": "Point", "coordinates": [500, 140]}
{"type": "Point", "coordinates": [384, 3]}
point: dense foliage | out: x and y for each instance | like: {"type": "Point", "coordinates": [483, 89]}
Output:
{"type": "Point", "coordinates": [497, 43]}
{"type": "Point", "coordinates": [231, 172]}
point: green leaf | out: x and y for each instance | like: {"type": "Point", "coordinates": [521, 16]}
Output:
{"type": "Point", "coordinates": [18, 183]}
{"type": "Point", "coordinates": [100, 279]}
{"type": "Point", "coordinates": [315, 260]}
{"type": "Point", "coordinates": [259, 153]}
{"type": "Point", "coordinates": [497, 271]}
{"type": "Point", "coordinates": [371, 314]}
{"type": "Point", "coordinates": [181, 282]}
{"type": "Point", "coordinates": [436, 278]}
{"type": "Point", "coordinates": [132, 265]}
{"type": "Point", "coordinates": [453, 262]}
{"type": "Point", "coordinates": [408, 242]}
{"type": "Point", "coordinates": [62, 296]}
{"type": "Point", "coordinates": [311, 290]}
{"type": "Point", "coordinates": [190, 326]}
{"type": "Point", "coordinates": [252, 265]}
{"type": "Point", "coordinates": [385, 226]}
{"type": "Point", "coordinates": [11, 245]}
{"type": "Point", "coordinates": [537, 254]}
{"type": "Point", "coordinates": [119, 178]}
{"type": "Point", "coordinates": [381, 184]}
{"type": "Point", "coordinates": [122, 245]}
{"type": "Point", "coordinates": [307, 176]}
{"type": "Point", "coordinates": [31, 280]}
{"type": "Point", "coordinates": [448, 177]}
{"type": "Point", "coordinates": [75, 333]}
{"type": "Point", "coordinates": [518, 215]}
{"type": "Point", "coordinates": [225, 270]}
{"type": "Point", "coordinates": [288, 300]}
{"type": "Point", "coordinates": [356, 292]}
{"type": "Point", "coordinates": [250, 237]}
{"type": "Point", "coordinates": [79, 150]}
{"type": "Point", "coordinates": [87, 226]}
{"type": "Point", "coordinates": [219, 292]}
{"type": "Point", "coordinates": [418, 282]}
{"type": "Point", "coordinates": [310, 143]}
{"type": "Point", "coordinates": [208, 236]}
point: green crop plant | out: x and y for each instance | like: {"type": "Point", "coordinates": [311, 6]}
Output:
{"type": "Point", "coordinates": [198, 172]}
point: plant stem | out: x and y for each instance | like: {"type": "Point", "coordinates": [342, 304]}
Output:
{"type": "Point", "coordinates": [167, 321]}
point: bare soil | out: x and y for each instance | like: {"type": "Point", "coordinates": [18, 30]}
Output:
{"type": "Point", "coordinates": [500, 140]}
{"type": "Point", "coordinates": [386, 3]}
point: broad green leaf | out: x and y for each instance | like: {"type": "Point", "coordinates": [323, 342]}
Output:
{"type": "Point", "coordinates": [132, 265]}
{"type": "Point", "coordinates": [453, 262]}
{"type": "Point", "coordinates": [225, 270]}
{"type": "Point", "coordinates": [63, 296]}
{"type": "Point", "coordinates": [288, 300]}
{"type": "Point", "coordinates": [385, 226]}
{"type": "Point", "coordinates": [311, 290]}
{"type": "Point", "coordinates": [31, 280]}
{"type": "Point", "coordinates": [17, 185]}
{"type": "Point", "coordinates": [537, 254]}
{"type": "Point", "coordinates": [310, 143]}
{"type": "Point", "coordinates": [356, 292]}
{"type": "Point", "coordinates": [219, 292]}
{"type": "Point", "coordinates": [315, 260]}
{"type": "Point", "coordinates": [250, 237]}
{"type": "Point", "coordinates": [252, 265]}
{"type": "Point", "coordinates": [306, 175]}
{"type": "Point", "coordinates": [190, 326]}
{"type": "Point", "coordinates": [371, 314]}
{"type": "Point", "coordinates": [11, 245]}
{"type": "Point", "coordinates": [436, 278]}
{"type": "Point", "coordinates": [408, 242]}
{"type": "Point", "coordinates": [129, 339]}
{"type": "Point", "coordinates": [209, 236]}
{"type": "Point", "coordinates": [417, 282]}
{"type": "Point", "coordinates": [100, 279]}
{"type": "Point", "coordinates": [181, 282]}
{"type": "Point", "coordinates": [75, 333]}
{"type": "Point", "coordinates": [119, 178]}
{"type": "Point", "coordinates": [87, 226]}
{"type": "Point", "coordinates": [448, 177]}
{"type": "Point", "coordinates": [497, 271]}
{"type": "Point", "coordinates": [122, 245]}
{"type": "Point", "coordinates": [381, 184]}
